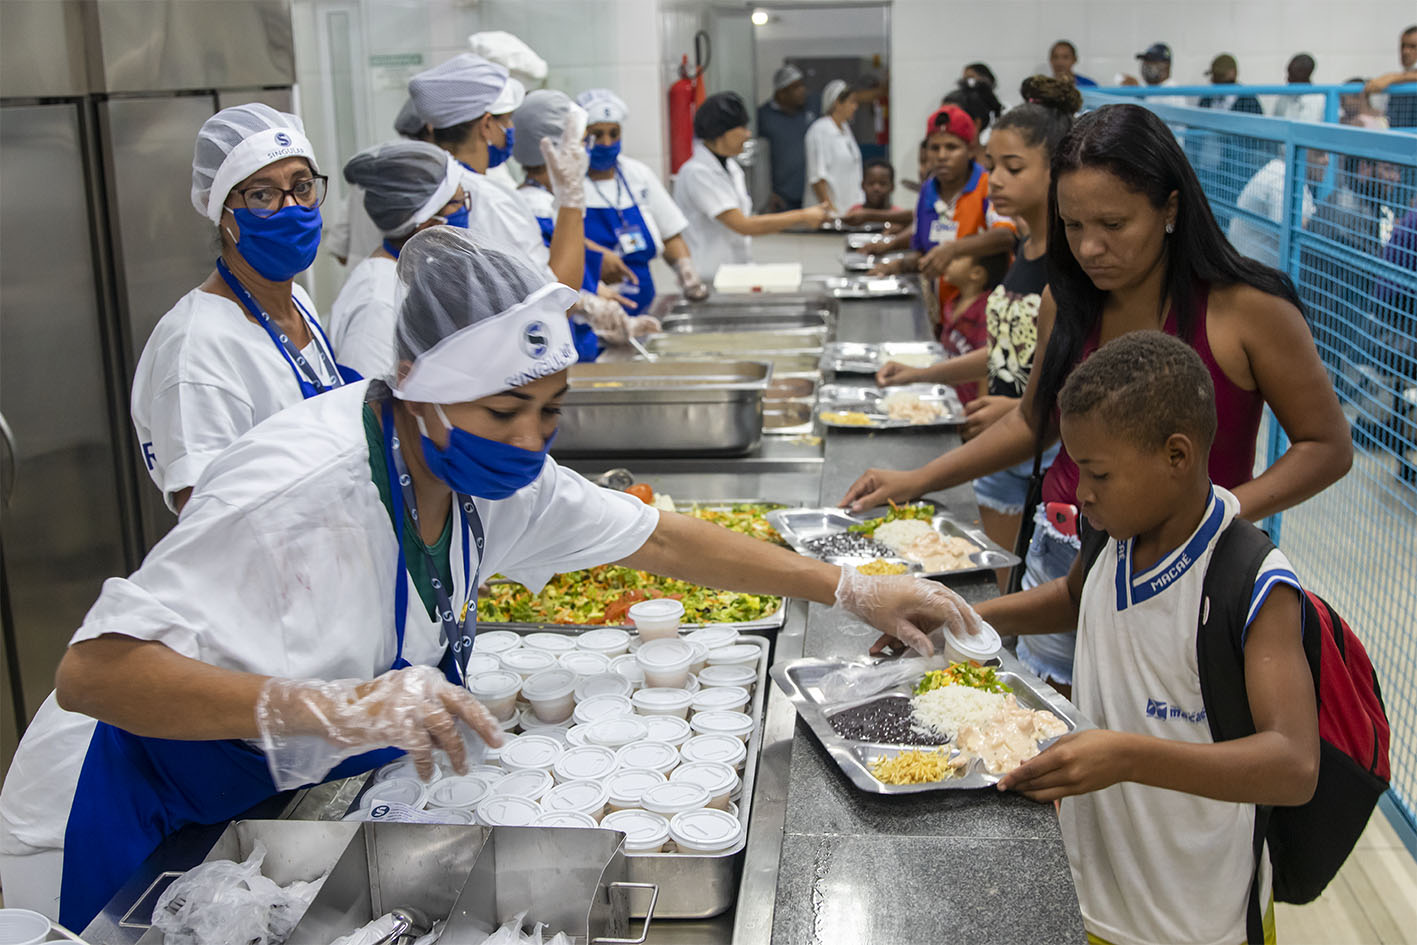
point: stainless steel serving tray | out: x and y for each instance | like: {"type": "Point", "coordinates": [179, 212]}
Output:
{"type": "Point", "coordinates": [864, 262]}
{"type": "Point", "coordinates": [855, 357]}
{"type": "Point", "coordinates": [813, 300]}
{"type": "Point", "coordinates": [740, 341]}
{"type": "Point", "coordinates": [800, 526]}
{"type": "Point", "coordinates": [863, 286]}
{"type": "Point", "coordinates": [754, 319]}
{"type": "Point", "coordinates": [836, 398]}
{"type": "Point", "coordinates": [862, 241]}
{"type": "Point", "coordinates": [801, 681]}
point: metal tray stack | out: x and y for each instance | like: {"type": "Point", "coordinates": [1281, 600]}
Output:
{"type": "Point", "coordinates": [856, 261]}
{"type": "Point", "coordinates": [800, 527]}
{"type": "Point", "coordinates": [738, 312]}
{"type": "Point", "coordinates": [871, 401]}
{"type": "Point", "coordinates": [861, 286]}
{"type": "Point", "coordinates": [788, 405]}
{"type": "Point", "coordinates": [850, 357]}
{"type": "Point", "coordinates": [788, 351]}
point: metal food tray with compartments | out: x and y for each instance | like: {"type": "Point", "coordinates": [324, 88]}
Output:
{"type": "Point", "coordinates": [873, 402]}
{"type": "Point", "coordinates": [800, 527]}
{"type": "Point", "coordinates": [854, 357]}
{"type": "Point", "coordinates": [862, 286]}
{"type": "Point", "coordinates": [802, 681]}
{"type": "Point", "coordinates": [857, 261]}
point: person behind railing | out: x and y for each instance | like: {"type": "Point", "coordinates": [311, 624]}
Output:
{"type": "Point", "coordinates": [1155, 71]}
{"type": "Point", "coordinates": [1397, 311]}
{"type": "Point", "coordinates": [1300, 71]}
{"type": "Point", "coordinates": [1357, 109]}
{"type": "Point", "coordinates": [1224, 71]}
{"type": "Point", "coordinates": [1062, 57]}
{"type": "Point", "coordinates": [1264, 196]}
{"type": "Point", "coordinates": [1224, 159]}
{"type": "Point", "coordinates": [1401, 107]}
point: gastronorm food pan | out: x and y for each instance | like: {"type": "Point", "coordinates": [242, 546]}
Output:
{"type": "Point", "coordinates": [854, 357]}
{"type": "Point", "coordinates": [743, 340]}
{"type": "Point", "coordinates": [812, 300]}
{"type": "Point", "coordinates": [746, 319]}
{"type": "Point", "coordinates": [871, 402]}
{"type": "Point", "coordinates": [862, 286]}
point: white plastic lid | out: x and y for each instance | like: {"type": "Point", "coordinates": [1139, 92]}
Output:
{"type": "Point", "coordinates": [585, 663]}
{"type": "Point", "coordinates": [691, 684]}
{"type": "Point", "coordinates": [608, 683]}
{"type": "Point", "coordinates": [699, 652]}
{"type": "Point", "coordinates": [629, 667]}
{"type": "Point", "coordinates": [728, 749]}
{"type": "Point", "coordinates": [565, 818]}
{"type": "Point", "coordinates": [531, 725]}
{"type": "Point", "coordinates": [498, 684]}
{"type": "Point", "coordinates": [575, 736]}
{"type": "Point", "coordinates": [528, 661]}
{"type": "Point", "coordinates": [642, 829]}
{"type": "Point", "coordinates": [982, 646]}
{"type": "Point", "coordinates": [672, 798]}
{"type": "Point", "coordinates": [744, 653]}
{"type": "Point", "coordinates": [404, 768]}
{"type": "Point", "coordinates": [604, 640]}
{"type": "Point", "coordinates": [705, 830]}
{"type": "Point", "coordinates": [452, 815]}
{"type": "Point", "coordinates": [586, 796]}
{"type": "Point", "coordinates": [507, 725]}
{"type": "Point", "coordinates": [714, 637]}
{"type": "Point", "coordinates": [496, 641]}
{"type": "Point", "coordinates": [602, 707]}
{"type": "Point", "coordinates": [720, 697]}
{"type": "Point", "coordinates": [627, 786]}
{"type": "Point", "coordinates": [716, 723]}
{"type": "Point", "coordinates": [666, 655]}
{"type": "Point", "coordinates": [556, 643]}
{"type": "Point", "coordinates": [613, 733]}
{"type": "Point", "coordinates": [495, 754]}
{"type": "Point", "coordinates": [532, 753]}
{"type": "Point", "coordinates": [487, 774]}
{"type": "Point", "coordinates": [713, 776]}
{"type": "Point", "coordinates": [585, 763]}
{"type": "Point", "coordinates": [548, 685]}
{"type": "Point", "coordinates": [654, 756]}
{"type": "Point", "coordinates": [396, 791]}
{"type": "Point", "coordinates": [482, 662]}
{"type": "Point", "coordinates": [502, 810]}
{"type": "Point", "coordinates": [461, 792]}
{"type": "Point", "coordinates": [660, 608]}
{"type": "Point", "coordinates": [669, 729]}
{"type": "Point", "coordinates": [526, 783]}
{"type": "Point", "coordinates": [731, 674]}
{"type": "Point", "coordinates": [661, 699]}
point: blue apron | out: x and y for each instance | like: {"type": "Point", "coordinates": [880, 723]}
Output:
{"type": "Point", "coordinates": [135, 791]}
{"type": "Point", "coordinates": [587, 344]}
{"type": "Point", "coordinates": [625, 231]}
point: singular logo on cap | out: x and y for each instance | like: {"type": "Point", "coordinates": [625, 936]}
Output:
{"type": "Point", "coordinates": [536, 340]}
{"type": "Point", "coordinates": [282, 139]}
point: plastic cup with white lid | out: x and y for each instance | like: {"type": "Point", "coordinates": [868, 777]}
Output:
{"type": "Point", "coordinates": [645, 832]}
{"type": "Point", "coordinates": [608, 683]}
{"type": "Point", "coordinates": [657, 619]}
{"type": "Point", "coordinates": [665, 663]}
{"type": "Point", "coordinates": [531, 725]}
{"type": "Point", "coordinates": [663, 701]}
{"type": "Point", "coordinates": [628, 666]}
{"type": "Point", "coordinates": [628, 785]}
{"type": "Point", "coordinates": [981, 647]}
{"type": "Point", "coordinates": [737, 724]}
{"type": "Point", "coordinates": [607, 641]}
{"type": "Point", "coordinates": [487, 774]}
{"type": "Point", "coordinates": [575, 737]}
{"type": "Point", "coordinates": [565, 818]}
{"type": "Point", "coordinates": [497, 691]}
{"type": "Point", "coordinates": [699, 659]}
{"type": "Point", "coordinates": [669, 729]}
{"type": "Point", "coordinates": [405, 768]}
{"type": "Point", "coordinates": [495, 641]}
{"type": "Point", "coordinates": [584, 663]}
{"type": "Point", "coordinates": [452, 815]}
{"type": "Point", "coordinates": [555, 643]}
{"type": "Point", "coordinates": [527, 783]}
{"type": "Point", "coordinates": [705, 832]}
{"type": "Point", "coordinates": [588, 797]}
{"type": "Point", "coordinates": [727, 749]}
{"type": "Point", "coordinates": [651, 756]}
{"type": "Point", "coordinates": [461, 793]}
{"type": "Point", "coordinates": [532, 753]}
{"type": "Point", "coordinates": [713, 776]}
{"type": "Point", "coordinates": [506, 810]}
{"type": "Point", "coordinates": [711, 677]}
{"type": "Point", "coordinates": [27, 927]}
{"type": "Point", "coordinates": [485, 661]}
{"type": "Point", "coordinates": [527, 662]}
{"type": "Point", "coordinates": [691, 684]}
{"type": "Point", "coordinates": [585, 763]}
{"type": "Point", "coordinates": [672, 798]}
{"type": "Point", "coordinates": [494, 755]}
{"type": "Point", "coordinates": [510, 727]}
{"type": "Point", "coordinates": [714, 637]}
{"type": "Point", "coordinates": [396, 791]}
{"type": "Point", "coordinates": [550, 694]}
{"type": "Point", "coordinates": [616, 732]}
{"type": "Point", "coordinates": [602, 707]}
{"type": "Point", "coordinates": [736, 654]}
{"type": "Point", "coordinates": [721, 699]}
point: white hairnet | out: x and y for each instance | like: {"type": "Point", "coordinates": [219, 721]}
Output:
{"type": "Point", "coordinates": [603, 105]}
{"type": "Point", "coordinates": [510, 98]}
{"type": "Point", "coordinates": [542, 115]}
{"type": "Point", "coordinates": [408, 122]}
{"type": "Point", "coordinates": [785, 76]}
{"type": "Point", "coordinates": [510, 52]}
{"type": "Point", "coordinates": [237, 142]}
{"type": "Point", "coordinates": [405, 183]}
{"type": "Point", "coordinates": [831, 93]}
{"type": "Point", "coordinates": [474, 321]}
{"type": "Point", "coordinates": [459, 90]}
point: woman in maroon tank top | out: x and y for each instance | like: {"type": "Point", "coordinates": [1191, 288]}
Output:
{"type": "Point", "coordinates": [1132, 245]}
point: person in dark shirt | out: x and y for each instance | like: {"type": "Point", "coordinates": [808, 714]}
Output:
{"type": "Point", "coordinates": [1401, 108]}
{"type": "Point", "coordinates": [1225, 71]}
{"type": "Point", "coordinates": [783, 121]}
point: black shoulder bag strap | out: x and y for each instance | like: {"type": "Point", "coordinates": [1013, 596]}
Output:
{"type": "Point", "coordinates": [1026, 526]}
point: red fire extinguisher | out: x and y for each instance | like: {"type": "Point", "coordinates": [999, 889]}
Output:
{"type": "Point", "coordinates": [685, 95]}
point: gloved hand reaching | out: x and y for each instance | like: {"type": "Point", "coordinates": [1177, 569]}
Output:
{"type": "Point", "coordinates": [906, 608]}
{"type": "Point", "coordinates": [689, 283]}
{"type": "Point", "coordinates": [567, 161]}
{"type": "Point", "coordinates": [642, 325]}
{"type": "Point", "coordinates": [608, 318]}
{"type": "Point", "coordinates": [310, 725]}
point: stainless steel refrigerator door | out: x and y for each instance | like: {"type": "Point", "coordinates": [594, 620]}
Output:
{"type": "Point", "coordinates": [42, 48]}
{"type": "Point", "coordinates": [62, 528]}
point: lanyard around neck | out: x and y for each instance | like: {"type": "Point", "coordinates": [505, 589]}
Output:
{"type": "Point", "coordinates": [615, 206]}
{"type": "Point", "coordinates": [310, 381]}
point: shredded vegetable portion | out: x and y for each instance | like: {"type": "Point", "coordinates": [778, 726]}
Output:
{"type": "Point", "coordinates": [971, 674]}
{"type": "Point", "coordinates": [920, 511]}
{"type": "Point", "coordinates": [917, 766]}
{"type": "Point", "coordinates": [881, 566]}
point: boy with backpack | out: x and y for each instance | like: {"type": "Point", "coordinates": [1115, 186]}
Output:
{"type": "Point", "coordinates": [1220, 747]}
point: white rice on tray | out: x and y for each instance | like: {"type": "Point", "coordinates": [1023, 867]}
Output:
{"type": "Point", "coordinates": [900, 533]}
{"type": "Point", "coordinates": [948, 709]}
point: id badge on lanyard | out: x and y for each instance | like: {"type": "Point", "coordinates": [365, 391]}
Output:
{"type": "Point", "coordinates": [631, 239]}
{"type": "Point", "coordinates": [942, 229]}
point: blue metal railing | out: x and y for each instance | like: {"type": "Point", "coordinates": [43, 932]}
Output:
{"type": "Point", "coordinates": [1330, 93]}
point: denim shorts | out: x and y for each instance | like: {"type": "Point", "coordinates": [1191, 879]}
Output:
{"type": "Point", "coordinates": [1006, 491]}
{"type": "Point", "coordinates": [1050, 556]}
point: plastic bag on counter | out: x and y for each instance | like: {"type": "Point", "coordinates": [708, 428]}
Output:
{"type": "Point", "coordinates": [511, 934]}
{"type": "Point", "coordinates": [378, 932]}
{"type": "Point", "coordinates": [863, 680]}
{"type": "Point", "coordinates": [225, 902]}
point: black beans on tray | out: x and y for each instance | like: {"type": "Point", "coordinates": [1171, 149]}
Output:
{"type": "Point", "coordinates": [848, 544]}
{"type": "Point", "coordinates": [884, 720]}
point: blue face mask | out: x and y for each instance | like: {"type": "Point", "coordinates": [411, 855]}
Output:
{"type": "Point", "coordinates": [281, 245]}
{"type": "Point", "coordinates": [457, 218]}
{"type": "Point", "coordinates": [496, 155]}
{"type": "Point", "coordinates": [479, 467]}
{"type": "Point", "coordinates": [604, 156]}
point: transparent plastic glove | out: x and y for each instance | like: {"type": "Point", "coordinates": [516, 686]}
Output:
{"type": "Point", "coordinates": [567, 161]}
{"type": "Point", "coordinates": [642, 325]}
{"type": "Point", "coordinates": [906, 608]}
{"type": "Point", "coordinates": [689, 282]}
{"type": "Point", "coordinates": [309, 725]}
{"type": "Point", "coordinates": [607, 318]}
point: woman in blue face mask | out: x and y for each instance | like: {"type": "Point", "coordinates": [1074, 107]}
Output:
{"type": "Point", "coordinates": [630, 217]}
{"type": "Point", "coordinates": [246, 343]}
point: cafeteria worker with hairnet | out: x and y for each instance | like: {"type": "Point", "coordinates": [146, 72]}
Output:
{"type": "Point", "coordinates": [310, 614]}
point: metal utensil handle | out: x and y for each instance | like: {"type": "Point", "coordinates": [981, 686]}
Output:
{"type": "Point", "coordinates": [649, 914]}
{"type": "Point", "coordinates": [402, 923]}
{"type": "Point", "coordinates": [124, 922]}
{"type": "Point", "coordinates": [11, 461]}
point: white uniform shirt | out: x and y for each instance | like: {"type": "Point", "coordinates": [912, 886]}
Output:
{"type": "Point", "coordinates": [207, 375]}
{"type": "Point", "coordinates": [361, 322]}
{"type": "Point", "coordinates": [498, 220]}
{"type": "Point", "coordinates": [662, 215]}
{"type": "Point", "coordinates": [1264, 195]}
{"type": "Point", "coordinates": [1152, 866]}
{"type": "Point", "coordinates": [833, 156]}
{"type": "Point", "coordinates": [539, 201]}
{"type": "Point", "coordinates": [284, 564]}
{"type": "Point", "coordinates": [703, 189]}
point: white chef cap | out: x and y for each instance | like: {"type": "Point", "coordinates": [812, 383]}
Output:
{"type": "Point", "coordinates": [473, 321]}
{"type": "Point", "coordinates": [603, 105]}
{"type": "Point", "coordinates": [405, 183]}
{"type": "Point", "coordinates": [408, 122]}
{"type": "Point", "coordinates": [237, 142]}
{"type": "Point", "coordinates": [510, 52]}
{"type": "Point", "coordinates": [461, 89]}
{"type": "Point", "coordinates": [542, 115]}
{"type": "Point", "coordinates": [831, 93]}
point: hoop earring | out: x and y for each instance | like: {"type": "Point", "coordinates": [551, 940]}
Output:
{"type": "Point", "coordinates": [1170, 228]}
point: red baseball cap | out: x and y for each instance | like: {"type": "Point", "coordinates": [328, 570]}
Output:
{"type": "Point", "coordinates": [951, 118]}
